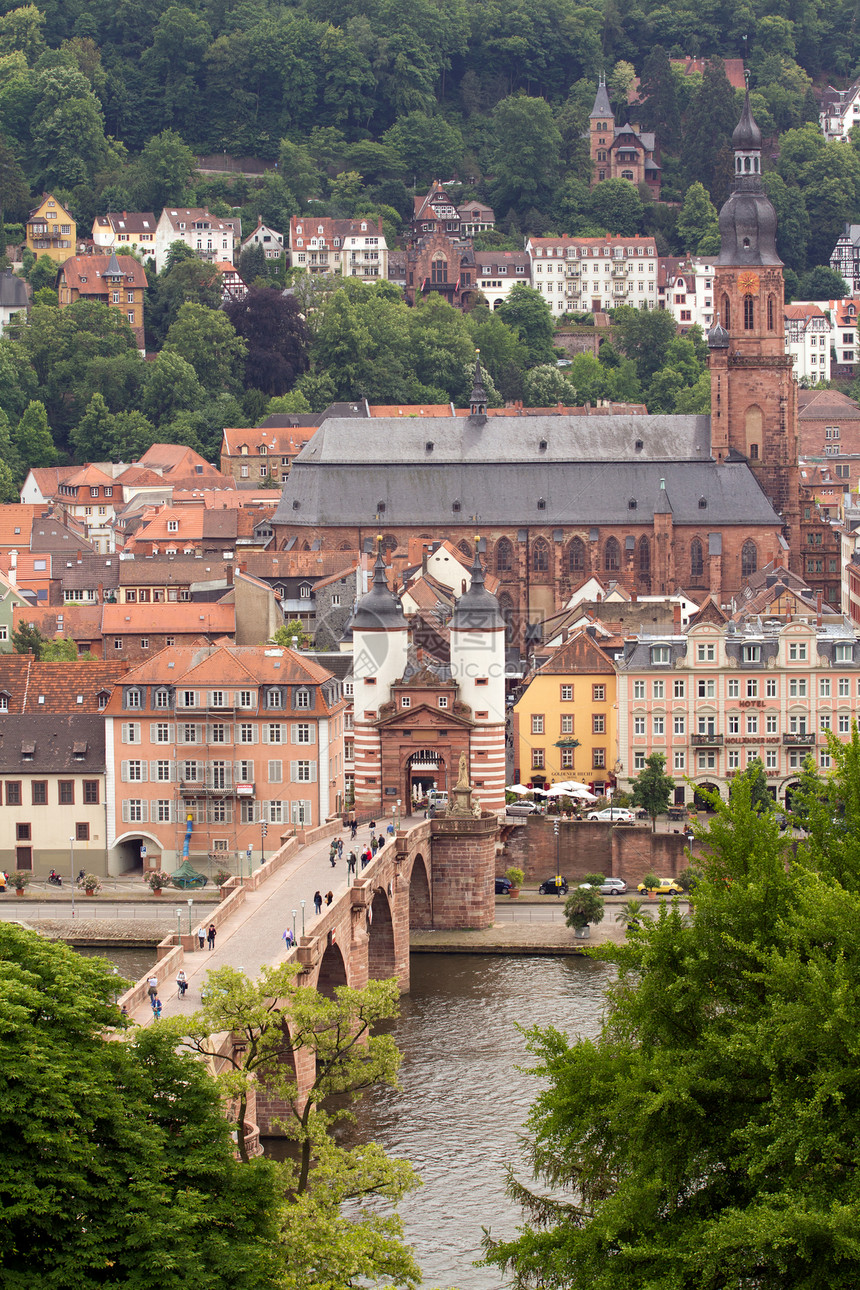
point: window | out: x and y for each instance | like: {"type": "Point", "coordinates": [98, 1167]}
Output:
{"type": "Point", "coordinates": [91, 792]}
{"type": "Point", "coordinates": [566, 693]}
{"type": "Point", "coordinates": [639, 761]}
{"type": "Point", "coordinates": [749, 558]}
{"type": "Point", "coordinates": [302, 733]}
{"type": "Point", "coordinates": [824, 687]}
{"type": "Point", "coordinates": [537, 723]}
{"type": "Point", "coordinates": [733, 689]}
{"type": "Point", "coordinates": [82, 832]}
{"type": "Point", "coordinates": [679, 689]}
{"type": "Point", "coordinates": [770, 724]}
{"type": "Point", "coordinates": [23, 833]}
{"type": "Point", "coordinates": [130, 732]}
{"type": "Point", "coordinates": [797, 652]}
{"type": "Point", "coordinates": [707, 760]}
{"type": "Point", "coordinates": [733, 759]}
{"type": "Point", "coordinates": [770, 688]}
{"type": "Point", "coordinates": [638, 725]}
{"type": "Point", "coordinates": [844, 724]}
{"type": "Point", "coordinates": [751, 653]}
{"type": "Point", "coordinates": [162, 771]}
{"type": "Point", "coordinates": [844, 653]}
{"type": "Point", "coordinates": [162, 699]}
{"type": "Point", "coordinates": [679, 760]}
{"type": "Point", "coordinates": [661, 654]}
{"type": "Point", "coordinates": [540, 556]}
{"type": "Point", "coordinates": [752, 689]}
{"type": "Point", "coordinates": [734, 726]}
{"type": "Point", "coordinates": [567, 724]}
{"type": "Point", "coordinates": [680, 725]}
{"type": "Point", "coordinates": [144, 642]}
{"type": "Point", "coordinates": [134, 811]}
{"type": "Point", "coordinates": [658, 689]}
{"type": "Point", "coordinates": [39, 792]}
{"type": "Point", "coordinates": [598, 693]}
{"type": "Point", "coordinates": [302, 698]}
{"type": "Point", "coordinates": [537, 759]}
{"type": "Point", "coordinates": [598, 723]}
{"type": "Point", "coordinates": [274, 731]}
{"type": "Point", "coordinates": [598, 758]}
{"type": "Point", "coordinates": [66, 790]}
{"type": "Point", "coordinates": [659, 725]}
{"type": "Point", "coordinates": [612, 556]}
{"type": "Point", "coordinates": [706, 689]}
{"type": "Point", "coordinates": [844, 687]}
{"type": "Point", "coordinates": [824, 721]}
{"type": "Point", "coordinates": [133, 771]}
{"type": "Point", "coordinates": [639, 689]}
{"type": "Point", "coordinates": [567, 759]}
{"type": "Point", "coordinates": [274, 699]}
{"type": "Point", "coordinates": [13, 792]}
{"type": "Point", "coordinates": [706, 653]}
{"type": "Point", "coordinates": [797, 687]}
{"type": "Point", "coordinates": [697, 562]}
{"type": "Point", "coordinates": [752, 723]}
{"type": "Point", "coordinates": [132, 698]}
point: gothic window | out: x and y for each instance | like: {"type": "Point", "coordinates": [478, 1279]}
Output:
{"type": "Point", "coordinates": [540, 556]}
{"type": "Point", "coordinates": [465, 549]}
{"type": "Point", "coordinates": [697, 562]}
{"type": "Point", "coordinates": [727, 313]}
{"type": "Point", "coordinates": [749, 313]}
{"type": "Point", "coordinates": [504, 556]}
{"type": "Point", "coordinates": [439, 268]}
{"type": "Point", "coordinates": [749, 559]}
{"type": "Point", "coordinates": [770, 313]}
{"type": "Point", "coordinates": [576, 555]}
{"type": "Point", "coordinates": [612, 555]}
{"type": "Point", "coordinates": [644, 557]}
{"type": "Point", "coordinates": [389, 543]}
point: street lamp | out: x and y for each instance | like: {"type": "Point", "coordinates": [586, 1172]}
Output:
{"type": "Point", "coordinates": [397, 815]}
{"type": "Point", "coordinates": [72, 871]}
{"type": "Point", "coordinates": [555, 831]}
{"type": "Point", "coordinates": [190, 904]}
{"type": "Point", "coordinates": [302, 903]}
{"type": "Point", "coordinates": [249, 853]}
{"type": "Point", "coordinates": [264, 829]}
{"type": "Point", "coordinates": [179, 925]}
{"type": "Point", "coordinates": [294, 926]}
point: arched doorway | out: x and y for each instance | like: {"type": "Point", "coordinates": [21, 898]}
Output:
{"type": "Point", "coordinates": [126, 856]}
{"type": "Point", "coordinates": [420, 908]}
{"type": "Point", "coordinates": [380, 947]}
{"type": "Point", "coordinates": [332, 971]}
{"type": "Point", "coordinates": [701, 803]}
{"type": "Point", "coordinates": [790, 790]}
{"type": "Point", "coordinates": [425, 771]}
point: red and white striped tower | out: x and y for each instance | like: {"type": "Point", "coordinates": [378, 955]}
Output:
{"type": "Point", "coordinates": [478, 667]}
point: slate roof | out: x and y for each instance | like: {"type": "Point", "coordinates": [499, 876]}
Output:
{"type": "Point", "coordinates": [90, 571]}
{"type": "Point", "coordinates": [13, 292]}
{"type": "Point", "coordinates": [507, 493]}
{"type": "Point", "coordinates": [55, 740]}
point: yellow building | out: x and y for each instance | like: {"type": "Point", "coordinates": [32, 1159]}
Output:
{"type": "Point", "coordinates": [565, 723]}
{"type": "Point", "coordinates": [51, 230]}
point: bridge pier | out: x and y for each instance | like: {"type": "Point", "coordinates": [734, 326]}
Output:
{"type": "Point", "coordinates": [464, 871]}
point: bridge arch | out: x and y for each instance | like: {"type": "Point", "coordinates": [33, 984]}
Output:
{"type": "Point", "coordinates": [332, 969]}
{"type": "Point", "coordinates": [420, 903]}
{"type": "Point", "coordinates": [381, 952]}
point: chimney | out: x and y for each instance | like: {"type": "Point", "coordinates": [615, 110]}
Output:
{"type": "Point", "coordinates": [676, 617]}
{"type": "Point", "coordinates": [634, 596]}
{"type": "Point", "coordinates": [101, 594]}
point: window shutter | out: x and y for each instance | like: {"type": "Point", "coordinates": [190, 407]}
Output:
{"type": "Point", "coordinates": [294, 772]}
{"type": "Point", "coordinates": [143, 772]}
{"type": "Point", "coordinates": [294, 732]}
{"type": "Point", "coordinates": [153, 731]}
{"type": "Point", "coordinates": [265, 733]}
{"type": "Point", "coordinates": [276, 772]}
{"type": "Point", "coordinates": [313, 767]}
{"type": "Point", "coordinates": [125, 810]}
{"type": "Point", "coordinates": [124, 775]}
{"type": "Point", "coordinates": [144, 812]}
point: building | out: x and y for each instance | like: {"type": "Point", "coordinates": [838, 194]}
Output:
{"type": "Point", "coordinates": [594, 274]}
{"type": "Point", "coordinates": [117, 281]}
{"type": "Point", "coordinates": [14, 298]}
{"type": "Point", "coordinates": [52, 764]}
{"type": "Point", "coordinates": [843, 316]}
{"type": "Point", "coordinates": [262, 457]}
{"type": "Point", "coordinates": [88, 497]}
{"type": "Point", "coordinates": [845, 257]}
{"type": "Point", "coordinates": [271, 242]}
{"type": "Point", "coordinates": [415, 717]}
{"type": "Point", "coordinates": [725, 693]}
{"type": "Point", "coordinates": [565, 720]}
{"type": "Point", "coordinates": [51, 230]}
{"type": "Point", "coordinates": [42, 484]}
{"type": "Point", "coordinates": [829, 426]}
{"type": "Point", "coordinates": [349, 248]}
{"type": "Point", "coordinates": [211, 237]}
{"type": "Point", "coordinates": [207, 744]}
{"type": "Point", "coordinates": [808, 340]}
{"type": "Point", "coordinates": [437, 212]}
{"type": "Point", "coordinates": [686, 288]}
{"type": "Point", "coordinates": [838, 111]}
{"type": "Point", "coordinates": [496, 272]}
{"type": "Point", "coordinates": [125, 231]}
{"type": "Point", "coordinates": [137, 631]}
{"type": "Point", "coordinates": [621, 151]}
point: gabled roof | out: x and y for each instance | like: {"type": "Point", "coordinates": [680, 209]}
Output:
{"type": "Point", "coordinates": [130, 222]}
{"type": "Point", "coordinates": [56, 743]}
{"type": "Point", "coordinates": [195, 214]}
{"type": "Point", "coordinates": [708, 612]}
{"type": "Point", "coordinates": [48, 478]}
{"type": "Point", "coordinates": [16, 521]}
{"type": "Point", "coordinates": [86, 273]}
{"type": "Point", "coordinates": [579, 654]}
{"type": "Point", "coordinates": [825, 405]}
{"type": "Point", "coordinates": [167, 457]}
{"type": "Point", "coordinates": [58, 685]}
{"type": "Point", "coordinates": [88, 477]}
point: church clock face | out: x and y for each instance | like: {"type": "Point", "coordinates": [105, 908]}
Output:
{"type": "Point", "coordinates": [749, 284]}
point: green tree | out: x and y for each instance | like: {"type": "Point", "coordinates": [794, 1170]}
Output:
{"type": "Point", "coordinates": [93, 436]}
{"type": "Point", "coordinates": [130, 1136]}
{"type": "Point", "coordinates": [21, 29]}
{"type": "Point", "coordinates": [658, 108]}
{"type": "Point", "coordinates": [708, 1131]}
{"type": "Point", "coordinates": [295, 401]}
{"type": "Point", "coordinates": [171, 387]}
{"type": "Point", "coordinates": [281, 1023]}
{"type": "Point", "coordinates": [62, 650]}
{"type": "Point", "coordinates": [207, 340]}
{"type": "Point", "coordinates": [529, 316]}
{"type": "Point", "coordinates": [708, 128]}
{"type": "Point", "coordinates": [299, 170]}
{"type": "Point", "coordinates": [544, 386]}
{"type": "Point", "coordinates": [27, 639]}
{"type": "Point", "coordinates": [754, 782]}
{"type": "Point", "coordinates": [823, 283]}
{"type": "Point", "coordinates": [14, 189]}
{"type": "Point", "coordinates": [697, 219]}
{"type": "Point", "coordinates": [183, 280]}
{"type": "Point", "coordinates": [615, 205]}
{"type": "Point", "coordinates": [293, 630]}
{"type": "Point", "coordinates": [584, 905]}
{"type": "Point", "coordinates": [32, 439]}
{"type": "Point", "coordinates": [652, 788]}
{"type": "Point", "coordinates": [43, 273]}
{"type": "Point", "coordinates": [163, 171]}
{"type": "Point", "coordinates": [428, 147]}
{"type": "Point", "coordinates": [526, 153]}
{"type": "Point", "coordinates": [644, 336]}
{"type": "Point", "coordinates": [67, 143]}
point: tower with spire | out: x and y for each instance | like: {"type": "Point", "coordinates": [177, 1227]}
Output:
{"type": "Point", "coordinates": [753, 390]}
{"type": "Point", "coordinates": [620, 152]}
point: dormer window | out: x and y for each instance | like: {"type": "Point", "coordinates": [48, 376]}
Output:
{"type": "Point", "coordinates": [661, 655]}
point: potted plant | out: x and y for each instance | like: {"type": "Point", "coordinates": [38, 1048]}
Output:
{"type": "Point", "coordinates": [584, 905]}
{"type": "Point", "coordinates": [221, 876]}
{"type": "Point", "coordinates": [516, 878]}
{"type": "Point", "coordinates": [90, 883]}
{"type": "Point", "coordinates": [158, 880]}
{"type": "Point", "coordinates": [651, 882]}
{"type": "Point", "coordinates": [20, 880]}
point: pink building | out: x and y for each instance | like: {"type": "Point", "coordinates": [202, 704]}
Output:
{"type": "Point", "coordinates": [214, 750]}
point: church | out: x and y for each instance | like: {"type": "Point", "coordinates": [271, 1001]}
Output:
{"type": "Point", "coordinates": [658, 503]}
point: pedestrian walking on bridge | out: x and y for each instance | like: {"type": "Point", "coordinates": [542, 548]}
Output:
{"type": "Point", "coordinates": [318, 902]}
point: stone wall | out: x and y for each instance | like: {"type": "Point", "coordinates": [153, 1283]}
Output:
{"type": "Point", "coordinates": [463, 871]}
{"type": "Point", "coordinates": [616, 851]}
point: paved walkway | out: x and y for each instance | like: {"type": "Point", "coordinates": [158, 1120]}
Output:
{"type": "Point", "coordinates": [253, 936]}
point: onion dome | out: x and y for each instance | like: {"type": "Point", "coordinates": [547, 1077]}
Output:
{"type": "Point", "coordinates": [477, 610]}
{"type": "Point", "coordinates": [718, 337]}
{"type": "Point", "coordinates": [380, 610]}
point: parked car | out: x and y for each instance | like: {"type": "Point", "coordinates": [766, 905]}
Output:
{"type": "Point", "coordinates": [665, 887]}
{"type": "Point", "coordinates": [613, 887]}
{"type": "Point", "coordinates": [503, 886]}
{"type": "Point", "coordinates": [613, 815]}
{"type": "Point", "coordinates": [553, 888]}
{"type": "Point", "coordinates": [522, 808]}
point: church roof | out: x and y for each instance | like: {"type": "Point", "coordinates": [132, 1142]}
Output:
{"type": "Point", "coordinates": [602, 106]}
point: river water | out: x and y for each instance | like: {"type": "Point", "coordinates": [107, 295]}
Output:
{"type": "Point", "coordinates": [463, 1099]}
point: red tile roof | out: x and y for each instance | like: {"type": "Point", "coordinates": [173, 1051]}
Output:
{"type": "Point", "coordinates": [16, 521]}
{"type": "Point", "coordinates": [59, 685]}
{"type": "Point", "coordinates": [186, 618]}
{"type": "Point", "coordinates": [86, 273]}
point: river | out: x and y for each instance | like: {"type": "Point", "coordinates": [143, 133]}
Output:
{"type": "Point", "coordinates": [463, 1099]}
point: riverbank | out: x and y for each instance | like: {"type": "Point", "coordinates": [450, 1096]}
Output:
{"type": "Point", "coordinates": [98, 933]}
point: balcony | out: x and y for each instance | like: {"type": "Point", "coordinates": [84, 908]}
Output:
{"type": "Point", "coordinates": [208, 787]}
{"type": "Point", "coordinates": [799, 739]}
{"type": "Point", "coordinates": [619, 271]}
{"type": "Point", "coordinates": [619, 289]}
{"type": "Point", "coordinates": [706, 741]}
{"type": "Point", "coordinates": [572, 290]}
{"type": "Point", "coordinates": [572, 271]}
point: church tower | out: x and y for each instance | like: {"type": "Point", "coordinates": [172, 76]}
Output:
{"type": "Point", "coordinates": [601, 133]}
{"type": "Point", "coordinates": [753, 390]}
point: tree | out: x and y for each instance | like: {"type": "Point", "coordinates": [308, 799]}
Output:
{"type": "Point", "coordinates": [276, 337]}
{"type": "Point", "coordinates": [14, 189]}
{"type": "Point", "coordinates": [427, 146]}
{"type": "Point", "coordinates": [32, 439]}
{"type": "Point", "coordinates": [706, 1138]}
{"type": "Point", "coordinates": [615, 204]}
{"type": "Point", "coordinates": [163, 171]}
{"type": "Point", "coordinates": [823, 283]}
{"type": "Point", "coordinates": [584, 905]}
{"type": "Point", "coordinates": [299, 170]}
{"type": "Point", "coordinates": [658, 108]}
{"type": "Point", "coordinates": [27, 639]}
{"type": "Point", "coordinates": [171, 387]}
{"type": "Point", "coordinates": [207, 340]}
{"type": "Point", "coordinates": [107, 1143]}
{"type": "Point", "coordinates": [527, 151]}
{"type": "Point", "coordinates": [545, 386]}
{"type": "Point", "coordinates": [338, 1041]}
{"type": "Point", "coordinates": [754, 782]}
{"type": "Point", "coordinates": [652, 788]}
{"type": "Point", "coordinates": [708, 128]}
{"type": "Point", "coordinates": [92, 437]}
{"type": "Point", "coordinates": [644, 335]}
{"type": "Point", "coordinates": [293, 631]}
{"type": "Point", "coordinates": [183, 280]}
{"type": "Point", "coordinates": [295, 401]}
{"type": "Point", "coordinates": [697, 218]}
{"type": "Point", "coordinates": [43, 273]}
{"type": "Point", "coordinates": [529, 316]}
{"type": "Point", "coordinates": [62, 650]}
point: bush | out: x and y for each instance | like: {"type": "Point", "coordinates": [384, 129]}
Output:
{"type": "Point", "coordinates": [158, 879]}
{"type": "Point", "coordinates": [221, 876]}
{"type": "Point", "coordinates": [515, 877]}
{"type": "Point", "coordinates": [594, 879]}
{"type": "Point", "coordinates": [90, 882]}
{"type": "Point", "coordinates": [20, 879]}
{"type": "Point", "coordinates": [583, 906]}
{"type": "Point", "coordinates": [650, 881]}
{"type": "Point", "coordinates": [689, 877]}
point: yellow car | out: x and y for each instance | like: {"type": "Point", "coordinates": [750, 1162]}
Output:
{"type": "Point", "coordinates": [665, 887]}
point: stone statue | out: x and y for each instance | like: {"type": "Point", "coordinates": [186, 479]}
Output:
{"type": "Point", "coordinates": [460, 803]}
{"type": "Point", "coordinates": [476, 808]}
{"type": "Point", "coordinates": [463, 781]}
